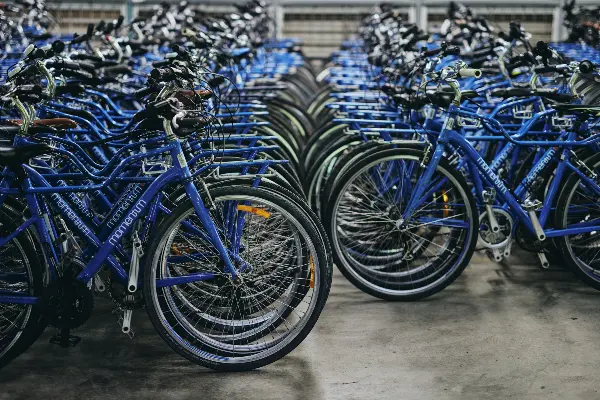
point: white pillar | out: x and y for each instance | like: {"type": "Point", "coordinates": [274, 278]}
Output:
{"type": "Point", "coordinates": [413, 14]}
{"type": "Point", "coordinates": [423, 17]}
{"type": "Point", "coordinates": [557, 24]}
{"type": "Point", "coordinates": [279, 20]}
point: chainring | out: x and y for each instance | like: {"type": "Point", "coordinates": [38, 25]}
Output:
{"type": "Point", "coordinates": [528, 242]}
{"type": "Point", "coordinates": [123, 299]}
{"type": "Point", "coordinates": [70, 303]}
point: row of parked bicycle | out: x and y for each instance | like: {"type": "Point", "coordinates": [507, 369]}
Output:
{"type": "Point", "coordinates": [149, 162]}
{"type": "Point", "coordinates": [182, 163]}
{"type": "Point", "coordinates": [433, 145]}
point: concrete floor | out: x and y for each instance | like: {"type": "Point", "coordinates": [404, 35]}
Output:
{"type": "Point", "coordinates": [500, 331]}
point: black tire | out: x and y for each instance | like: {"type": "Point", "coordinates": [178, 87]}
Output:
{"type": "Point", "coordinates": [582, 268]}
{"type": "Point", "coordinates": [370, 284]}
{"type": "Point", "coordinates": [199, 356]}
{"type": "Point", "coordinates": [28, 331]}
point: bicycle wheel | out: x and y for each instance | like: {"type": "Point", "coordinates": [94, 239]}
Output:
{"type": "Point", "coordinates": [578, 205]}
{"type": "Point", "coordinates": [230, 326]}
{"type": "Point", "coordinates": [20, 274]}
{"type": "Point", "coordinates": [394, 259]}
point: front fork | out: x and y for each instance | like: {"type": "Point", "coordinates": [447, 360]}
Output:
{"type": "Point", "coordinates": [203, 213]}
{"type": "Point", "coordinates": [209, 225]}
{"type": "Point", "coordinates": [432, 161]}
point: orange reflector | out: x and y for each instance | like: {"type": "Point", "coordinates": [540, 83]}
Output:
{"type": "Point", "coordinates": [254, 210]}
{"type": "Point", "coordinates": [175, 249]}
{"type": "Point", "coordinates": [312, 272]}
{"type": "Point", "coordinates": [446, 207]}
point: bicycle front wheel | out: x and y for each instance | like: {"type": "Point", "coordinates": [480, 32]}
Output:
{"type": "Point", "coordinates": [578, 208]}
{"type": "Point", "coordinates": [225, 325]}
{"type": "Point", "coordinates": [385, 255]}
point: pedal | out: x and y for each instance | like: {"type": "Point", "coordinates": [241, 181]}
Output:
{"type": "Point", "coordinates": [488, 198]}
{"type": "Point", "coordinates": [125, 322]}
{"type": "Point", "coordinates": [498, 255]}
{"type": "Point", "coordinates": [64, 339]}
{"type": "Point", "coordinates": [531, 207]}
{"type": "Point", "coordinates": [508, 249]}
{"type": "Point", "coordinates": [134, 267]}
{"type": "Point", "coordinates": [495, 255]}
{"type": "Point", "coordinates": [61, 241]}
{"type": "Point", "coordinates": [543, 260]}
{"type": "Point", "coordinates": [99, 284]}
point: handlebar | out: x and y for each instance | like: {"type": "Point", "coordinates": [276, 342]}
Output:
{"type": "Point", "coordinates": [561, 69]}
{"type": "Point", "coordinates": [470, 72]}
{"type": "Point", "coordinates": [587, 67]}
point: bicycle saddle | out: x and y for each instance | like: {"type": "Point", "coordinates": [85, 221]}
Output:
{"type": "Point", "coordinates": [55, 123]}
{"type": "Point", "coordinates": [440, 99]}
{"type": "Point", "coordinates": [591, 110]}
{"type": "Point", "coordinates": [547, 93]}
{"type": "Point", "coordinates": [11, 156]}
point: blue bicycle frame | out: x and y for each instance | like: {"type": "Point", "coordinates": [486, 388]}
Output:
{"type": "Point", "coordinates": [447, 136]}
{"type": "Point", "coordinates": [177, 174]}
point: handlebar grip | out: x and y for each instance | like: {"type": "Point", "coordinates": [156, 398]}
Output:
{"type": "Point", "coordinates": [109, 28]}
{"type": "Point", "coordinates": [77, 74]}
{"type": "Point", "coordinates": [431, 53]}
{"type": "Point", "coordinates": [63, 64]}
{"type": "Point", "coordinates": [160, 73]}
{"type": "Point", "coordinates": [70, 88]}
{"type": "Point", "coordinates": [58, 46]}
{"type": "Point", "coordinates": [482, 52]}
{"type": "Point", "coordinates": [178, 48]}
{"type": "Point", "coordinates": [517, 64]}
{"type": "Point", "coordinates": [587, 67]}
{"type": "Point", "coordinates": [143, 92]}
{"type": "Point", "coordinates": [470, 72]}
{"type": "Point", "coordinates": [100, 26]}
{"type": "Point", "coordinates": [29, 90]}
{"type": "Point", "coordinates": [160, 64]}
{"type": "Point", "coordinates": [37, 54]}
{"type": "Point", "coordinates": [28, 70]}
{"type": "Point", "coordinates": [454, 50]}
{"type": "Point", "coordinates": [190, 122]}
{"type": "Point", "coordinates": [216, 81]}
{"type": "Point", "coordinates": [410, 31]}
{"type": "Point", "coordinates": [561, 69]}
{"type": "Point", "coordinates": [79, 38]}
{"type": "Point", "coordinates": [119, 22]}
{"type": "Point", "coordinates": [166, 74]}
{"type": "Point", "coordinates": [159, 106]}
{"type": "Point", "coordinates": [83, 56]}
{"type": "Point", "coordinates": [90, 30]}
{"type": "Point", "coordinates": [544, 69]}
{"type": "Point", "coordinates": [117, 70]}
{"type": "Point", "coordinates": [86, 66]}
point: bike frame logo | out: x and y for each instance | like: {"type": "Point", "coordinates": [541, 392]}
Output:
{"type": "Point", "coordinates": [71, 215]}
{"type": "Point", "coordinates": [491, 175]}
{"type": "Point", "coordinates": [132, 216]}
{"type": "Point", "coordinates": [124, 205]}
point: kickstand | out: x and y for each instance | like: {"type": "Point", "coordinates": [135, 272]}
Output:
{"type": "Point", "coordinates": [64, 339]}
